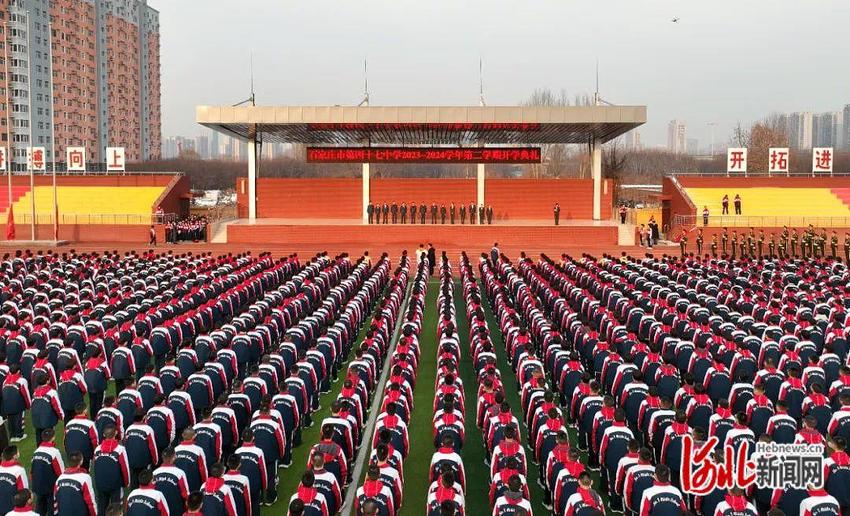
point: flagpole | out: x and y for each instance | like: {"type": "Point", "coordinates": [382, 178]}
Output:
{"type": "Point", "coordinates": [8, 110]}
{"type": "Point", "coordinates": [31, 149]}
{"type": "Point", "coordinates": [53, 138]}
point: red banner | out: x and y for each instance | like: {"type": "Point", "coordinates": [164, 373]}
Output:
{"type": "Point", "coordinates": [10, 225]}
{"type": "Point", "coordinates": [423, 155]}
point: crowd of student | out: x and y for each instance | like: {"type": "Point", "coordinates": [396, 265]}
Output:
{"type": "Point", "coordinates": [644, 353]}
{"type": "Point", "coordinates": [217, 362]}
{"type": "Point", "coordinates": [189, 229]}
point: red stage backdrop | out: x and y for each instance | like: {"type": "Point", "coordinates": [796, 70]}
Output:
{"type": "Point", "coordinates": [512, 199]}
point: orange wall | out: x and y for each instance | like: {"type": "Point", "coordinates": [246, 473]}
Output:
{"type": "Point", "coordinates": [85, 233]}
{"type": "Point", "coordinates": [512, 199]}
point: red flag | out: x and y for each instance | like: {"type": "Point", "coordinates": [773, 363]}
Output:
{"type": "Point", "coordinates": [10, 225]}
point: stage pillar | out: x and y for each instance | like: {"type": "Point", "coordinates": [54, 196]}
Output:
{"type": "Point", "coordinates": [596, 173]}
{"type": "Point", "coordinates": [480, 185]}
{"type": "Point", "coordinates": [366, 196]}
{"type": "Point", "coordinates": [252, 179]}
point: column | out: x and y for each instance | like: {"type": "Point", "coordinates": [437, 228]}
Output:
{"type": "Point", "coordinates": [366, 197]}
{"type": "Point", "coordinates": [480, 185]}
{"type": "Point", "coordinates": [252, 179]}
{"type": "Point", "coordinates": [596, 173]}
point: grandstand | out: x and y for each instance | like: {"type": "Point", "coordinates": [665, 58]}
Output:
{"type": "Point", "coordinates": [766, 202]}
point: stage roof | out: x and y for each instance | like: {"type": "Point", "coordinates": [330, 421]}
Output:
{"type": "Point", "coordinates": [437, 125]}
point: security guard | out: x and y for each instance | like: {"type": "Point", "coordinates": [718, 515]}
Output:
{"type": "Point", "coordinates": [734, 243]}
{"type": "Point", "coordinates": [822, 240]}
{"type": "Point", "coordinates": [714, 246]}
{"type": "Point", "coordinates": [784, 239]}
{"type": "Point", "coordinates": [795, 240]}
{"type": "Point", "coordinates": [683, 242]}
{"type": "Point", "coordinates": [771, 244]}
{"type": "Point", "coordinates": [783, 247]}
{"type": "Point", "coordinates": [699, 242]}
{"type": "Point", "coordinates": [761, 242]}
{"type": "Point", "coordinates": [846, 247]}
{"type": "Point", "coordinates": [833, 244]}
{"type": "Point", "coordinates": [404, 213]}
{"type": "Point", "coordinates": [724, 239]}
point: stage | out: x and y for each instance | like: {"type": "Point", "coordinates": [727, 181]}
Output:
{"type": "Point", "coordinates": [350, 235]}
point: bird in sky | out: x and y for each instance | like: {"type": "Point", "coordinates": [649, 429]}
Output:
{"type": "Point", "coordinates": [675, 20]}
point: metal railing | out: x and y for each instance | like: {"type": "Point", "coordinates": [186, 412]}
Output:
{"type": "Point", "coordinates": [741, 175]}
{"type": "Point", "coordinates": [97, 218]}
{"type": "Point", "coordinates": [17, 170]}
{"type": "Point", "coordinates": [761, 221]}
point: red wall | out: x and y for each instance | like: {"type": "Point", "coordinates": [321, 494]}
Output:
{"type": "Point", "coordinates": [533, 199]}
{"type": "Point", "coordinates": [512, 199]}
{"type": "Point", "coordinates": [87, 233]}
{"type": "Point", "coordinates": [423, 190]}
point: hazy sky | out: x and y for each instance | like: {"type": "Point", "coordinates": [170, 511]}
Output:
{"type": "Point", "coordinates": [724, 61]}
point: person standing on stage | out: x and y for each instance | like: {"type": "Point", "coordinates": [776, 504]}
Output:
{"type": "Point", "coordinates": [370, 211]}
{"type": "Point", "coordinates": [481, 214]}
{"type": "Point", "coordinates": [422, 211]}
{"type": "Point", "coordinates": [490, 214]}
{"type": "Point", "coordinates": [452, 213]}
{"type": "Point", "coordinates": [623, 212]}
{"type": "Point", "coordinates": [386, 210]}
{"type": "Point", "coordinates": [433, 213]}
{"type": "Point", "coordinates": [705, 215]}
{"type": "Point", "coordinates": [472, 213]}
{"type": "Point", "coordinates": [725, 203]}
{"type": "Point", "coordinates": [737, 204]}
{"type": "Point", "coordinates": [443, 213]}
{"type": "Point", "coordinates": [724, 239]}
{"type": "Point", "coordinates": [463, 214]}
{"type": "Point", "coordinates": [394, 212]}
{"type": "Point", "coordinates": [683, 242]}
{"type": "Point", "coordinates": [557, 212]}
{"type": "Point", "coordinates": [403, 211]}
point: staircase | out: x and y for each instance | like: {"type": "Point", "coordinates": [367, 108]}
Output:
{"type": "Point", "coordinates": [843, 194]}
{"type": "Point", "coordinates": [17, 193]}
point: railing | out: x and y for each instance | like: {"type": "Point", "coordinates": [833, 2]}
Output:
{"type": "Point", "coordinates": [761, 221]}
{"type": "Point", "coordinates": [20, 170]}
{"type": "Point", "coordinates": [741, 175]}
{"type": "Point", "coordinates": [97, 218]}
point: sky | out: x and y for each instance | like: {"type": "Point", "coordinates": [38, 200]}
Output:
{"type": "Point", "coordinates": [724, 61]}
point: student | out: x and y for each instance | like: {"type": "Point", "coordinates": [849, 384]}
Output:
{"type": "Point", "coordinates": [146, 500]}
{"type": "Point", "coordinates": [46, 467]}
{"type": "Point", "coordinates": [74, 492]}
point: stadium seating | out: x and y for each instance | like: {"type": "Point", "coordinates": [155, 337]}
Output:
{"type": "Point", "coordinates": [91, 204]}
{"type": "Point", "coordinates": [785, 204]}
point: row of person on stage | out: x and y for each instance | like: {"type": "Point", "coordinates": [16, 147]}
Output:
{"type": "Point", "coordinates": [394, 213]}
{"type": "Point", "coordinates": [808, 243]}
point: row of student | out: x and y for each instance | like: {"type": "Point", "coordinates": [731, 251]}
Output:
{"type": "Point", "coordinates": [447, 474]}
{"type": "Point", "coordinates": [382, 490]}
{"type": "Point", "coordinates": [623, 406]}
{"type": "Point", "coordinates": [330, 462]}
{"type": "Point", "coordinates": [509, 491]}
{"type": "Point", "coordinates": [265, 409]}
